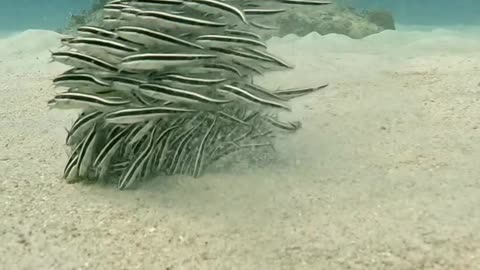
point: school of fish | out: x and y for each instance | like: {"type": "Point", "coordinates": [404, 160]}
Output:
{"type": "Point", "coordinates": [166, 87]}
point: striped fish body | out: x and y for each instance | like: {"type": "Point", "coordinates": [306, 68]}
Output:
{"type": "Point", "coordinates": [95, 72]}
{"type": "Point", "coordinates": [147, 101]}
{"type": "Point", "coordinates": [79, 80]}
{"type": "Point", "coordinates": [160, 146]}
{"type": "Point", "coordinates": [242, 33]}
{"type": "Point", "coordinates": [119, 167]}
{"type": "Point", "coordinates": [275, 62]}
{"type": "Point", "coordinates": [142, 132]}
{"type": "Point", "coordinates": [71, 100]}
{"type": "Point", "coordinates": [192, 83]}
{"type": "Point", "coordinates": [112, 130]}
{"type": "Point", "coordinates": [139, 146]}
{"type": "Point", "coordinates": [135, 115]}
{"type": "Point", "coordinates": [114, 10]}
{"type": "Point", "coordinates": [106, 93]}
{"type": "Point", "coordinates": [85, 155]}
{"type": "Point", "coordinates": [287, 126]}
{"type": "Point", "coordinates": [260, 91]}
{"type": "Point", "coordinates": [83, 123]}
{"type": "Point", "coordinates": [99, 46]}
{"type": "Point", "coordinates": [103, 159]}
{"type": "Point", "coordinates": [73, 70]}
{"type": "Point", "coordinates": [186, 166]}
{"type": "Point", "coordinates": [240, 56]}
{"type": "Point", "coordinates": [70, 173]}
{"type": "Point", "coordinates": [131, 175]}
{"type": "Point", "coordinates": [232, 118]}
{"type": "Point", "coordinates": [155, 4]}
{"type": "Point", "coordinates": [232, 13]}
{"type": "Point", "coordinates": [152, 38]}
{"type": "Point", "coordinates": [297, 92]}
{"type": "Point", "coordinates": [229, 41]}
{"type": "Point", "coordinates": [249, 68]}
{"type": "Point", "coordinates": [99, 32]}
{"type": "Point", "coordinates": [110, 58]}
{"type": "Point", "coordinates": [177, 95]}
{"type": "Point", "coordinates": [129, 14]}
{"type": "Point", "coordinates": [272, 67]}
{"type": "Point", "coordinates": [179, 145]}
{"type": "Point", "coordinates": [184, 158]}
{"type": "Point", "coordinates": [168, 21]}
{"type": "Point", "coordinates": [124, 83]}
{"type": "Point", "coordinates": [305, 2]}
{"type": "Point", "coordinates": [135, 129]}
{"type": "Point", "coordinates": [286, 3]}
{"type": "Point", "coordinates": [139, 141]}
{"type": "Point", "coordinates": [254, 12]}
{"type": "Point", "coordinates": [80, 60]}
{"type": "Point", "coordinates": [200, 156]}
{"type": "Point", "coordinates": [161, 155]}
{"type": "Point", "coordinates": [205, 90]}
{"type": "Point", "coordinates": [205, 81]}
{"type": "Point", "coordinates": [262, 26]}
{"type": "Point", "coordinates": [158, 62]}
{"type": "Point", "coordinates": [95, 32]}
{"type": "Point", "coordinates": [226, 70]}
{"type": "Point", "coordinates": [241, 93]}
{"type": "Point", "coordinates": [112, 22]}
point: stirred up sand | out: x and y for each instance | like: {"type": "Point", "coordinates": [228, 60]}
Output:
{"type": "Point", "coordinates": [384, 174]}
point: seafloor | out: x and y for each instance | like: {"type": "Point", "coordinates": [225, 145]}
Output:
{"type": "Point", "coordinates": [384, 174]}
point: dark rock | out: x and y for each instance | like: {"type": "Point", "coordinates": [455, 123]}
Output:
{"type": "Point", "coordinates": [382, 18]}
{"type": "Point", "coordinates": [333, 19]}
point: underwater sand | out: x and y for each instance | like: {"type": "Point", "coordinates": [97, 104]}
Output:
{"type": "Point", "coordinates": [385, 173]}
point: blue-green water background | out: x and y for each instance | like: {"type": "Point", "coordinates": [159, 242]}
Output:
{"type": "Point", "coordinates": [17, 15]}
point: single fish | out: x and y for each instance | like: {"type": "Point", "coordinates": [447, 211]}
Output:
{"type": "Point", "coordinates": [164, 92]}
{"type": "Point", "coordinates": [235, 91]}
{"type": "Point", "coordinates": [242, 33]}
{"type": "Point", "coordinates": [151, 38]}
{"type": "Point", "coordinates": [159, 61]}
{"type": "Point", "coordinates": [297, 92]}
{"type": "Point", "coordinates": [134, 115]}
{"type": "Point", "coordinates": [81, 60]}
{"type": "Point", "coordinates": [263, 11]}
{"type": "Point", "coordinates": [288, 126]}
{"type": "Point", "coordinates": [79, 80]}
{"type": "Point", "coordinates": [226, 40]}
{"type": "Point", "coordinates": [72, 100]}
{"type": "Point", "coordinates": [171, 21]}
{"type": "Point", "coordinates": [99, 46]}
{"type": "Point", "coordinates": [213, 6]}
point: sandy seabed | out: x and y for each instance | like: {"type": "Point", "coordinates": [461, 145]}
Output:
{"type": "Point", "coordinates": [385, 173]}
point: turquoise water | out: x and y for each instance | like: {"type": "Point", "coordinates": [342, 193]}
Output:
{"type": "Point", "coordinates": [18, 15]}
{"type": "Point", "coordinates": [53, 14]}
